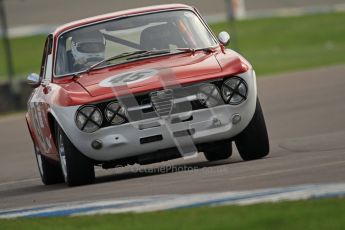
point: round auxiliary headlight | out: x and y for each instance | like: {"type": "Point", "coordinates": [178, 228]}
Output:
{"type": "Point", "coordinates": [234, 90]}
{"type": "Point", "coordinates": [115, 113]}
{"type": "Point", "coordinates": [208, 95]}
{"type": "Point", "coordinates": [89, 118]}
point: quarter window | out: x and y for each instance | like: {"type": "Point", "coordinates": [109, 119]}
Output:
{"type": "Point", "coordinates": [47, 51]}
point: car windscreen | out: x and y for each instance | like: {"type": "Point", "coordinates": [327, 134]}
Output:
{"type": "Point", "coordinates": [81, 48]}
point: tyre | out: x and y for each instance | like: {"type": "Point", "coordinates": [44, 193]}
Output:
{"type": "Point", "coordinates": [76, 168]}
{"type": "Point", "coordinates": [219, 150]}
{"type": "Point", "coordinates": [253, 142]}
{"type": "Point", "coordinates": [49, 172]}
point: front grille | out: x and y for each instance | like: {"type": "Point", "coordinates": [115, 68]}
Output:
{"type": "Point", "coordinates": [162, 101]}
{"type": "Point", "coordinates": [149, 104]}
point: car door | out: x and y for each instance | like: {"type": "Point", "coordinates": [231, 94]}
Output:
{"type": "Point", "coordinates": [39, 102]}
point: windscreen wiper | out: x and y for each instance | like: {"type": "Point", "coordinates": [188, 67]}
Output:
{"type": "Point", "coordinates": [122, 55]}
{"type": "Point", "coordinates": [143, 53]}
{"type": "Point", "coordinates": [159, 52]}
{"type": "Point", "coordinates": [129, 54]}
{"type": "Point", "coordinates": [164, 51]}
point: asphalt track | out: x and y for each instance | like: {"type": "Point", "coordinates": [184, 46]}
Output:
{"type": "Point", "coordinates": [305, 117]}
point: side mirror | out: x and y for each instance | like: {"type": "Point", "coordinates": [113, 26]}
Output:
{"type": "Point", "coordinates": [224, 38]}
{"type": "Point", "coordinates": [33, 80]}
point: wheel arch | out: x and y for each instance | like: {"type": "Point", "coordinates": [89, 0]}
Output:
{"type": "Point", "coordinates": [28, 123]}
{"type": "Point", "coordinates": [52, 126]}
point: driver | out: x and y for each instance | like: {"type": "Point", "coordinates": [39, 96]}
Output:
{"type": "Point", "coordinates": [87, 48]}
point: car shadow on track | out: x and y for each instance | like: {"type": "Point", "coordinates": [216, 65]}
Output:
{"type": "Point", "coordinates": [124, 173]}
{"type": "Point", "coordinates": [192, 166]}
{"type": "Point", "coordinates": [169, 167]}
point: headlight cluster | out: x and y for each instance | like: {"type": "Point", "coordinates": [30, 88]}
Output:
{"type": "Point", "coordinates": [209, 96]}
{"type": "Point", "coordinates": [234, 90]}
{"type": "Point", "coordinates": [115, 113]}
{"type": "Point", "coordinates": [89, 118]}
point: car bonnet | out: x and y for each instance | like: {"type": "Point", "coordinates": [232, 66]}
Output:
{"type": "Point", "coordinates": [150, 74]}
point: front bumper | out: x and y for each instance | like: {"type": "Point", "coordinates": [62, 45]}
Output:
{"type": "Point", "coordinates": [145, 136]}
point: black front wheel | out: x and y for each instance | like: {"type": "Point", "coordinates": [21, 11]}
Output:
{"type": "Point", "coordinates": [50, 173]}
{"type": "Point", "coordinates": [76, 168]}
{"type": "Point", "coordinates": [253, 142]}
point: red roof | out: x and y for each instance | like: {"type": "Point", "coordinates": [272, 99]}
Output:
{"type": "Point", "coordinates": [122, 13]}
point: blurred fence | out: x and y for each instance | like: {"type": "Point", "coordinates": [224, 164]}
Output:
{"type": "Point", "coordinates": [13, 97]}
{"type": "Point", "coordinates": [6, 41]}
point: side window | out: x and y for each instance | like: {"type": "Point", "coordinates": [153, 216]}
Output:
{"type": "Point", "coordinates": [46, 54]}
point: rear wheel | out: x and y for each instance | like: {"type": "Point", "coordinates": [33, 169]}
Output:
{"type": "Point", "coordinates": [219, 150]}
{"type": "Point", "coordinates": [76, 168]}
{"type": "Point", "coordinates": [49, 172]}
{"type": "Point", "coordinates": [253, 142]}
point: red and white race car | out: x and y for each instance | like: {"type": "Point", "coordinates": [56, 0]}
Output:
{"type": "Point", "coordinates": [137, 87]}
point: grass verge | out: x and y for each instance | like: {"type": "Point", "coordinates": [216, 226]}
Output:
{"type": "Point", "coordinates": [277, 45]}
{"type": "Point", "coordinates": [304, 215]}
{"type": "Point", "coordinates": [272, 45]}
{"type": "Point", "coordinates": [27, 53]}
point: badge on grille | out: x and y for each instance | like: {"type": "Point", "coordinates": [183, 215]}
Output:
{"type": "Point", "coordinates": [162, 101]}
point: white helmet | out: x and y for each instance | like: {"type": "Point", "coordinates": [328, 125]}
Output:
{"type": "Point", "coordinates": [88, 47]}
